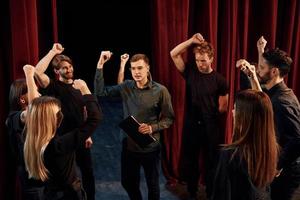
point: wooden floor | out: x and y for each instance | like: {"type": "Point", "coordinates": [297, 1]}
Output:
{"type": "Point", "coordinates": [106, 159]}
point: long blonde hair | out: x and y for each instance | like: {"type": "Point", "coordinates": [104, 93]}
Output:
{"type": "Point", "coordinates": [41, 125]}
{"type": "Point", "coordinates": [254, 136]}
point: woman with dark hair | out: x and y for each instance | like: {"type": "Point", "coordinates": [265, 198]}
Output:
{"type": "Point", "coordinates": [247, 166]}
{"type": "Point", "coordinates": [51, 157]}
{"type": "Point", "coordinates": [18, 100]}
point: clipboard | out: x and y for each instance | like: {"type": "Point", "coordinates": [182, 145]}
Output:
{"type": "Point", "coordinates": [130, 125]}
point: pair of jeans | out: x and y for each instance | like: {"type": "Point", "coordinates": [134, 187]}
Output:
{"type": "Point", "coordinates": [131, 163]}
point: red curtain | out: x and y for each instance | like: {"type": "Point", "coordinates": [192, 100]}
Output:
{"type": "Point", "coordinates": [22, 37]}
{"type": "Point", "coordinates": [233, 27]}
{"type": "Point", "coordinates": [169, 27]}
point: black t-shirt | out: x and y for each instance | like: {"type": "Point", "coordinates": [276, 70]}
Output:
{"type": "Point", "coordinates": [203, 91]}
{"type": "Point", "coordinates": [72, 105]}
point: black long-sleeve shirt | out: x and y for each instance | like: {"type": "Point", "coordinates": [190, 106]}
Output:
{"type": "Point", "coordinates": [232, 181]}
{"type": "Point", "coordinates": [287, 122]}
{"type": "Point", "coordinates": [59, 155]}
{"type": "Point", "coordinates": [151, 105]}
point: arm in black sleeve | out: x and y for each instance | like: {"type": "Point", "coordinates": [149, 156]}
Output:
{"type": "Point", "coordinates": [288, 132]}
{"type": "Point", "coordinates": [101, 90]}
{"type": "Point", "coordinates": [167, 112]}
{"type": "Point", "coordinates": [76, 138]}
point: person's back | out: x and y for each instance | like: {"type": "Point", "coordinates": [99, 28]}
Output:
{"type": "Point", "coordinates": [247, 166]}
{"type": "Point", "coordinates": [235, 182]}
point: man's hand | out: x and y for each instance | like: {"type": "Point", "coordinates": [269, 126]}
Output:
{"type": "Point", "coordinates": [124, 58]}
{"type": "Point", "coordinates": [145, 129]}
{"type": "Point", "coordinates": [246, 67]}
{"type": "Point", "coordinates": [57, 48]}
{"type": "Point", "coordinates": [81, 85]}
{"type": "Point", "coordinates": [261, 44]}
{"type": "Point", "coordinates": [88, 143]}
{"type": "Point", "coordinates": [197, 38]}
{"type": "Point", "coordinates": [104, 57]}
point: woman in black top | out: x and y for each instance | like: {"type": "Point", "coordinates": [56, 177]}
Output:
{"type": "Point", "coordinates": [30, 189]}
{"type": "Point", "coordinates": [248, 165]}
{"type": "Point", "coordinates": [50, 157]}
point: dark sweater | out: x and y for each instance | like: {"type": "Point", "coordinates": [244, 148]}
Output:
{"type": "Point", "coordinates": [59, 155]}
{"type": "Point", "coordinates": [232, 181]}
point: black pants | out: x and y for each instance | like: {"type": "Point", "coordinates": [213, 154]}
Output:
{"type": "Point", "coordinates": [131, 162]}
{"type": "Point", "coordinates": [84, 162]}
{"type": "Point", "coordinates": [200, 137]}
{"type": "Point", "coordinates": [284, 186]}
{"type": "Point", "coordinates": [73, 191]}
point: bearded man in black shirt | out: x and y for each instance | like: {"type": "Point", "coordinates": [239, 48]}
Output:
{"type": "Point", "coordinates": [206, 99]}
{"type": "Point", "coordinates": [72, 107]}
{"type": "Point", "coordinates": [273, 66]}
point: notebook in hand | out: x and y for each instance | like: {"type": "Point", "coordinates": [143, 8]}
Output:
{"type": "Point", "coordinates": [130, 125]}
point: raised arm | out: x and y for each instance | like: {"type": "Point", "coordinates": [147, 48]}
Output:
{"type": "Point", "coordinates": [31, 86]}
{"type": "Point", "coordinates": [43, 64]}
{"type": "Point", "coordinates": [99, 86]}
{"type": "Point", "coordinates": [250, 71]}
{"type": "Point", "coordinates": [104, 57]}
{"type": "Point", "coordinates": [124, 59]}
{"type": "Point", "coordinates": [261, 44]}
{"type": "Point", "coordinates": [79, 137]}
{"type": "Point", "coordinates": [176, 53]}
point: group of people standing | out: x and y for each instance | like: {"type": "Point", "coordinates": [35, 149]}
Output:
{"type": "Point", "coordinates": [51, 133]}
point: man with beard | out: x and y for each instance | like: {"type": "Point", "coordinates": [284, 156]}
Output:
{"type": "Point", "coordinates": [72, 106]}
{"type": "Point", "coordinates": [206, 101]}
{"type": "Point", "coordinates": [273, 65]}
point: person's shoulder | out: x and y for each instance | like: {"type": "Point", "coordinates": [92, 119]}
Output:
{"type": "Point", "coordinates": [127, 83]}
{"type": "Point", "coordinates": [11, 116]}
{"type": "Point", "coordinates": [159, 85]}
{"type": "Point", "coordinates": [229, 154]}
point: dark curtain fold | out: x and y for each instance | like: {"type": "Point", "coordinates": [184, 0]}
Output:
{"type": "Point", "coordinates": [233, 27]}
{"type": "Point", "coordinates": [170, 17]}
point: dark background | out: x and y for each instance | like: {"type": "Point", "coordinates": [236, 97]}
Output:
{"type": "Point", "coordinates": [86, 29]}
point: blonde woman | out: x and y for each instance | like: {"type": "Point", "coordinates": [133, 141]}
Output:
{"type": "Point", "coordinates": [49, 157]}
